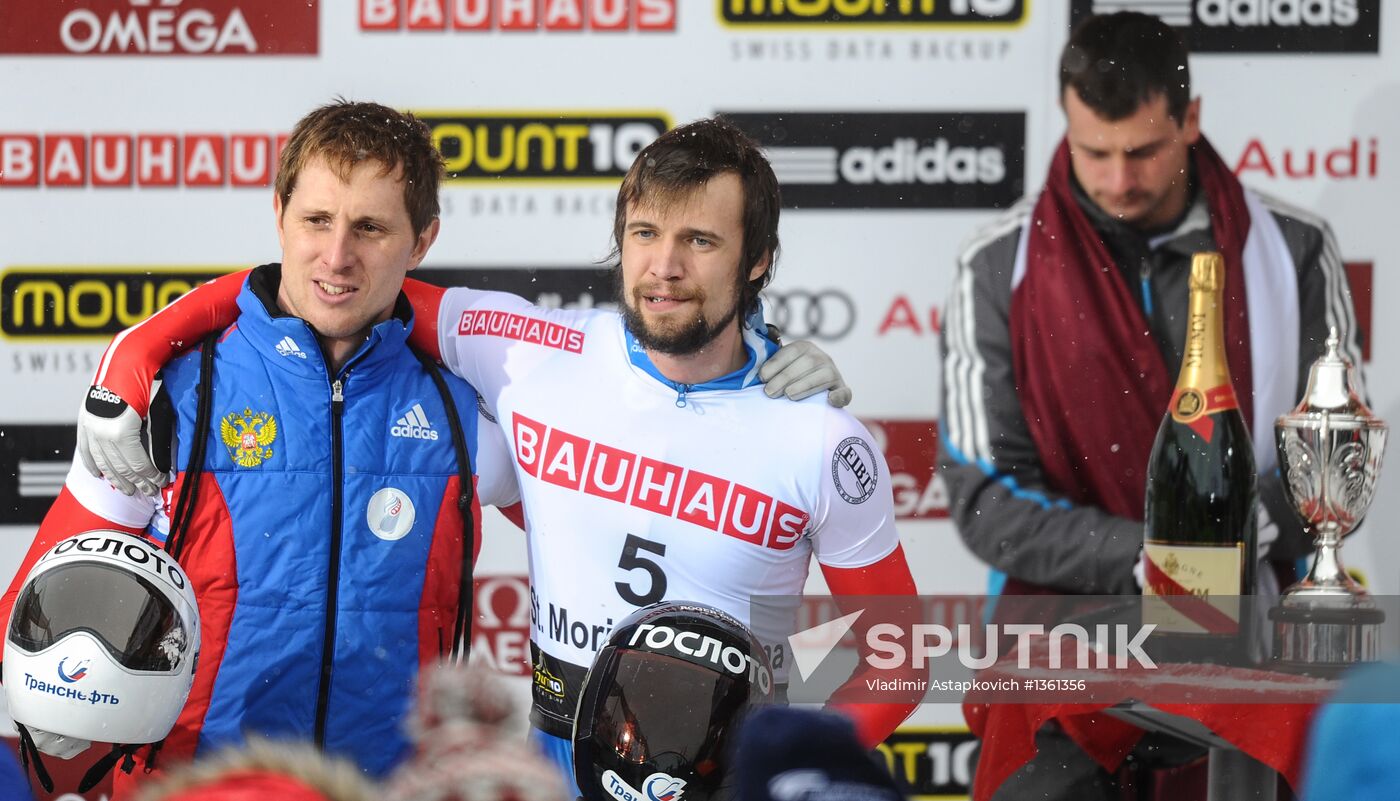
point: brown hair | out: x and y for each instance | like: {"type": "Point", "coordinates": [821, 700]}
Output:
{"type": "Point", "coordinates": [1117, 62]}
{"type": "Point", "coordinates": [684, 159]}
{"type": "Point", "coordinates": [347, 134]}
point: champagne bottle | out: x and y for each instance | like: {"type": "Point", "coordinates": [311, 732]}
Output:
{"type": "Point", "coordinates": [1202, 495]}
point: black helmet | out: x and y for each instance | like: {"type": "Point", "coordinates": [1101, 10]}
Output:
{"type": "Point", "coordinates": [661, 704]}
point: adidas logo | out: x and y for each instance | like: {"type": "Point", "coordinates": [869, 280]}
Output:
{"type": "Point", "coordinates": [414, 425]}
{"type": "Point", "coordinates": [104, 403]}
{"type": "Point", "coordinates": [288, 347]}
{"type": "Point", "coordinates": [101, 393]}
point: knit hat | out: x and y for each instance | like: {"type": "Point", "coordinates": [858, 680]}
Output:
{"type": "Point", "coordinates": [788, 754]}
{"type": "Point", "coordinates": [261, 770]}
{"type": "Point", "coordinates": [468, 748]}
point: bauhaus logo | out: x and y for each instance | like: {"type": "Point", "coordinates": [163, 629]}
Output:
{"type": "Point", "coordinates": [513, 15]}
{"type": "Point", "coordinates": [520, 327]}
{"type": "Point", "coordinates": [871, 13]}
{"type": "Point", "coordinates": [1259, 26]}
{"type": "Point", "coordinates": [159, 27]}
{"type": "Point", "coordinates": [893, 160]}
{"type": "Point", "coordinates": [145, 159]}
{"type": "Point", "coordinates": [564, 146]}
{"type": "Point", "coordinates": [65, 303]}
{"type": "Point", "coordinates": [670, 490]}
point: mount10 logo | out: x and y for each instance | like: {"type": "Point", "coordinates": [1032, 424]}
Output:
{"type": "Point", "coordinates": [886, 13]}
{"type": "Point", "coordinates": [1259, 26]}
{"type": "Point", "coordinates": [553, 146]}
{"type": "Point", "coordinates": [932, 160]}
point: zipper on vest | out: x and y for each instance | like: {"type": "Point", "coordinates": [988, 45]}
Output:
{"type": "Point", "coordinates": [1146, 273]}
{"type": "Point", "coordinates": [681, 389]}
{"type": "Point", "coordinates": [333, 575]}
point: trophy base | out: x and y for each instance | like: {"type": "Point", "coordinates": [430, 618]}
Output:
{"type": "Point", "coordinates": [1324, 640]}
{"type": "Point", "coordinates": [1317, 671]}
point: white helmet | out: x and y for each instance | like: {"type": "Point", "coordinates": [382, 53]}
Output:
{"type": "Point", "coordinates": [102, 642]}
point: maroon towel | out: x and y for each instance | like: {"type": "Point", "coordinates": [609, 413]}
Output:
{"type": "Point", "coordinates": [1093, 386]}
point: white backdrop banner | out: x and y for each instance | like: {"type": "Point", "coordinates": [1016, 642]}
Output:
{"type": "Point", "coordinates": [138, 141]}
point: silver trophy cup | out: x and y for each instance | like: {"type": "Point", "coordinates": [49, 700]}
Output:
{"type": "Point", "coordinates": [1330, 450]}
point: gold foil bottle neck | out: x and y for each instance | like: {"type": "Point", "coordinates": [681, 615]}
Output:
{"type": "Point", "coordinates": [1207, 272]}
{"type": "Point", "coordinates": [1204, 364]}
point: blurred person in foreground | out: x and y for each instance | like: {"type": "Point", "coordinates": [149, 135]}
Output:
{"type": "Point", "coordinates": [469, 744]}
{"type": "Point", "coordinates": [1355, 739]}
{"type": "Point", "coordinates": [1066, 326]}
{"type": "Point", "coordinates": [263, 770]}
{"type": "Point", "coordinates": [789, 754]}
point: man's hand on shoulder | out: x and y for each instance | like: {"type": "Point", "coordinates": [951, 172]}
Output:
{"type": "Point", "coordinates": [109, 444]}
{"type": "Point", "coordinates": [801, 369]}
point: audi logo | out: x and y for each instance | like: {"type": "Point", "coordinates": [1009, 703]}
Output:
{"type": "Point", "coordinates": [826, 314]}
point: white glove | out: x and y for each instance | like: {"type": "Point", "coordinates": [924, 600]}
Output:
{"type": "Point", "coordinates": [801, 369]}
{"type": "Point", "coordinates": [58, 745]}
{"type": "Point", "coordinates": [109, 444]}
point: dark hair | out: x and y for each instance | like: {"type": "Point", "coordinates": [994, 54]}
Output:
{"type": "Point", "coordinates": [1117, 62]}
{"type": "Point", "coordinates": [684, 159]}
{"type": "Point", "coordinates": [346, 134]}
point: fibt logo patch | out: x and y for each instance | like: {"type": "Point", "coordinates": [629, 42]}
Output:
{"type": "Point", "coordinates": [876, 160]}
{"type": "Point", "coordinates": [159, 27]}
{"type": "Point", "coordinates": [854, 470]}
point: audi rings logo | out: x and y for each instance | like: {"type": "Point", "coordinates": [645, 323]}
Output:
{"type": "Point", "coordinates": [826, 314]}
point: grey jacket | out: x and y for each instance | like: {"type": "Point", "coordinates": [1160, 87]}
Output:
{"type": "Point", "coordinates": [1002, 508]}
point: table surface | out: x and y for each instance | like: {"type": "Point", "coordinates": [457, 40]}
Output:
{"type": "Point", "coordinates": [1264, 714]}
